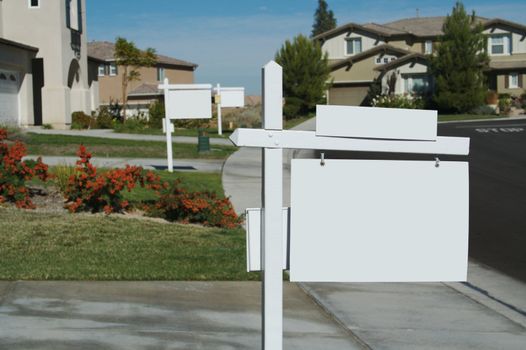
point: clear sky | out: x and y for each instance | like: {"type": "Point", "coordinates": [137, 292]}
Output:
{"type": "Point", "coordinates": [232, 39]}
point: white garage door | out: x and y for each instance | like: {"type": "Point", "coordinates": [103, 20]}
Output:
{"type": "Point", "coordinates": [9, 83]}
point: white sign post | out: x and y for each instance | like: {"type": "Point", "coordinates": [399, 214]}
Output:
{"type": "Point", "coordinates": [387, 201]}
{"type": "Point", "coordinates": [218, 103]}
{"type": "Point", "coordinates": [184, 101]}
{"type": "Point", "coordinates": [228, 97]}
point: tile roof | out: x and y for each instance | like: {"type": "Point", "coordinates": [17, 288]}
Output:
{"type": "Point", "coordinates": [145, 89]}
{"type": "Point", "coordinates": [104, 50]}
{"type": "Point", "coordinates": [415, 26]}
{"type": "Point", "coordinates": [410, 57]}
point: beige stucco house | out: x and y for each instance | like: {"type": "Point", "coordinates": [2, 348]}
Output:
{"type": "Point", "coordinates": [141, 92]}
{"type": "Point", "coordinates": [43, 62]}
{"type": "Point", "coordinates": [359, 54]}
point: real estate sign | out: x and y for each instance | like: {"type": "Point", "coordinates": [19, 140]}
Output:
{"type": "Point", "coordinates": [188, 101]}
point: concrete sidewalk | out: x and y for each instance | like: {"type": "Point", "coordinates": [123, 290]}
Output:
{"type": "Point", "coordinates": [488, 312]}
{"type": "Point", "coordinates": [156, 315]}
{"type": "Point", "coordinates": [205, 165]}
{"type": "Point", "coordinates": [109, 134]}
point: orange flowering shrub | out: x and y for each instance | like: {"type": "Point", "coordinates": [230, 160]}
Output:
{"type": "Point", "coordinates": [89, 191]}
{"type": "Point", "coordinates": [196, 207]}
{"type": "Point", "coordinates": [14, 173]}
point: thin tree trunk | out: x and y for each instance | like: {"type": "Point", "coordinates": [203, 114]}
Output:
{"type": "Point", "coordinates": [124, 91]}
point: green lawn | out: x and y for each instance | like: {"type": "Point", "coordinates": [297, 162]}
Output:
{"type": "Point", "coordinates": [460, 117]}
{"type": "Point", "coordinates": [44, 246]}
{"type": "Point", "coordinates": [62, 145]}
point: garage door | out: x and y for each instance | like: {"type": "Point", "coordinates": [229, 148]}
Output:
{"type": "Point", "coordinates": [348, 95]}
{"type": "Point", "coordinates": [9, 83]}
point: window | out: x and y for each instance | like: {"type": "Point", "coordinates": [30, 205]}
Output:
{"type": "Point", "coordinates": [102, 70]}
{"type": "Point", "coordinates": [160, 74]}
{"type": "Point", "coordinates": [354, 46]}
{"type": "Point", "coordinates": [513, 80]}
{"type": "Point", "coordinates": [74, 15]}
{"type": "Point", "coordinates": [416, 84]}
{"type": "Point", "coordinates": [386, 60]}
{"type": "Point", "coordinates": [34, 3]}
{"type": "Point", "coordinates": [428, 47]}
{"type": "Point", "coordinates": [113, 69]}
{"type": "Point", "coordinates": [499, 44]}
{"type": "Point", "coordinates": [378, 60]}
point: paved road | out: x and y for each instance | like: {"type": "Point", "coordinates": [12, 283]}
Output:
{"type": "Point", "coordinates": [498, 192]}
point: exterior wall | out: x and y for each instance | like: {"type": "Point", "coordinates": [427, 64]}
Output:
{"type": "Point", "coordinates": [1, 19]}
{"type": "Point", "coordinates": [111, 86]}
{"type": "Point", "coordinates": [401, 71]}
{"type": "Point", "coordinates": [359, 71]}
{"type": "Point", "coordinates": [93, 83]}
{"type": "Point", "coordinates": [501, 83]}
{"type": "Point", "coordinates": [61, 95]}
{"type": "Point", "coordinates": [336, 47]}
{"type": "Point", "coordinates": [347, 94]}
{"type": "Point", "coordinates": [518, 44]}
{"type": "Point", "coordinates": [19, 60]}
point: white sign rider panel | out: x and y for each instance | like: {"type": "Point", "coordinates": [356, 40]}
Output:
{"type": "Point", "coordinates": [188, 101]}
{"type": "Point", "coordinates": [379, 221]}
{"type": "Point", "coordinates": [376, 123]}
{"type": "Point", "coordinates": [232, 97]}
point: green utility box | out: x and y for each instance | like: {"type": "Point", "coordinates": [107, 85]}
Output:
{"type": "Point", "coordinates": [203, 141]}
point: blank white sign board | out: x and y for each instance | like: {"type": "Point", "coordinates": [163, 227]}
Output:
{"type": "Point", "coordinates": [232, 97]}
{"type": "Point", "coordinates": [253, 229]}
{"type": "Point", "coordinates": [379, 221]}
{"type": "Point", "coordinates": [192, 101]}
{"type": "Point", "coordinates": [376, 123]}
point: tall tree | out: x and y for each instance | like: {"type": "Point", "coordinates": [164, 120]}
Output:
{"type": "Point", "coordinates": [306, 75]}
{"type": "Point", "coordinates": [323, 19]}
{"type": "Point", "coordinates": [130, 59]}
{"type": "Point", "coordinates": [459, 63]}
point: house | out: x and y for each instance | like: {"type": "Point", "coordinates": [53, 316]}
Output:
{"type": "Point", "coordinates": [395, 53]}
{"type": "Point", "coordinates": [43, 62]}
{"type": "Point", "coordinates": [141, 92]}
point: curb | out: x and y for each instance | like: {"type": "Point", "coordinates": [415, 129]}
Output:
{"type": "Point", "coordinates": [483, 120]}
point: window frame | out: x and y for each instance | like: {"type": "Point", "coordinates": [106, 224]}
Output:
{"type": "Point", "coordinates": [428, 47]}
{"type": "Point", "coordinates": [101, 73]}
{"type": "Point", "coordinates": [409, 85]}
{"type": "Point", "coordinates": [353, 40]}
{"type": "Point", "coordinates": [29, 5]}
{"type": "Point", "coordinates": [113, 69]}
{"type": "Point", "coordinates": [506, 44]}
{"type": "Point", "coordinates": [159, 77]}
{"type": "Point", "coordinates": [510, 80]}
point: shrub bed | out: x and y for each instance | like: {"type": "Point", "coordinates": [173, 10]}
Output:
{"type": "Point", "coordinates": [89, 191]}
{"type": "Point", "coordinates": [14, 173]}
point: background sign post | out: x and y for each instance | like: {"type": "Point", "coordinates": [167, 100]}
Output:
{"type": "Point", "coordinates": [272, 237]}
{"type": "Point", "coordinates": [218, 103]}
{"type": "Point", "coordinates": [168, 122]}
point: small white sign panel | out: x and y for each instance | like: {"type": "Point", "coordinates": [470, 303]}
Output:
{"type": "Point", "coordinates": [253, 228]}
{"type": "Point", "coordinates": [189, 101]}
{"type": "Point", "coordinates": [379, 221]}
{"type": "Point", "coordinates": [376, 123]}
{"type": "Point", "coordinates": [232, 97]}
